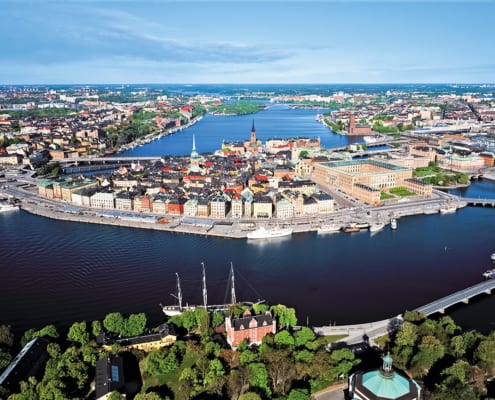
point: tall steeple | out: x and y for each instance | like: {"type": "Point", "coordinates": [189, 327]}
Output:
{"type": "Point", "coordinates": [253, 135]}
{"type": "Point", "coordinates": [195, 158]}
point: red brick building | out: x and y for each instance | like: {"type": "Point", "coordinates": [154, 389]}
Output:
{"type": "Point", "coordinates": [250, 327]}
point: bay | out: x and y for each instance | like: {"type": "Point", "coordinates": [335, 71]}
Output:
{"type": "Point", "coordinates": [59, 272]}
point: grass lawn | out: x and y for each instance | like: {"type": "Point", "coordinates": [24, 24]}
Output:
{"type": "Point", "coordinates": [401, 191]}
{"type": "Point", "coordinates": [385, 196]}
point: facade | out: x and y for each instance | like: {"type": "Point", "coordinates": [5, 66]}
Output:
{"type": "Point", "coordinates": [383, 384]}
{"type": "Point", "coordinates": [284, 209]}
{"type": "Point", "coordinates": [357, 129]}
{"type": "Point", "coordinates": [123, 201]}
{"type": "Point", "coordinates": [376, 175]}
{"type": "Point", "coordinates": [249, 327]}
{"type": "Point", "coordinates": [419, 187]}
{"type": "Point", "coordinates": [325, 202]}
{"type": "Point", "coordinates": [191, 208]}
{"type": "Point", "coordinates": [103, 200]}
{"type": "Point", "coordinates": [262, 206]}
{"type": "Point", "coordinates": [236, 207]}
{"type": "Point", "coordinates": [218, 207]}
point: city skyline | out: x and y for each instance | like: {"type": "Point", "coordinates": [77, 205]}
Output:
{"type": "Point", "coordinates": [238, 42]}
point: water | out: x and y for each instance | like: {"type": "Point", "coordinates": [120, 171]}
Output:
{"type": "Point", "coordinates": [60, 272]}
{"type": "Point", "coordinates": [278, 121]}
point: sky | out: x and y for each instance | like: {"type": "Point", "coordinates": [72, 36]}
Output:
{"type": "Point", "coordinates": [256, 41]}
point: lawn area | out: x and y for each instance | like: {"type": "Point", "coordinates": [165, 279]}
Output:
{"type": "Point", "coordinates": [401, 191]}
{"type": "Point", "coordinates": [385, 196]}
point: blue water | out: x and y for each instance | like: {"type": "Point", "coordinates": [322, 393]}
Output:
{"type": "Point", "coordinates": [278, 121]}
{"type": "Point", "coordinates": [60, 272]}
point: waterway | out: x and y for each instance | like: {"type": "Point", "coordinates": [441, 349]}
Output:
{"type": "Point", "coordinates": [60, 272]}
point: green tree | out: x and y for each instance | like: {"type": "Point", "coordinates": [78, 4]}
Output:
{"type": "Point", "coordinates": [250, 396]}
{"type": "Point", "coordinates": [148, 396]}
{"type": "Point", "coordinates": [258, 377]}
{"type": "Point", "coordinates": [78, 333]}
{"type": "Point", "coordinates": [217, 319]}
{"type": "Point", "coordinates": [299, 394]}
{"type": "Point", "coordinates": [5, 359]}
{"type": "Point", "coordinates": [49, 330]}
{"type": "Point", "coordinates": [284, 339]}
{"type": "Point", "coordinates": [6, 335]}
{"type": "Point", "coordinates": [259, 308]}
{"type": "Point", "coordinates": [114, 322]}
{"type": "Point", "coordinates": [303, 336]}
{"type": "Point", "coordinates": [114, 395]}
{"type": "Point", "coordinates": [135, 325]}
{"type": "Point", "coordinates": [248, 356]}
{"type": "Point", "coordinates": [342, 361]}
{"type": "Point", "coordinates": [214, 378]}
{"type": "Point", "coordinates": [285, 316]}
{"type": "Point", "coordinates": [53, 350]}
{"type": "Point", "coordinates": [430, 351]}
{"type": "Point", "coordinates": [485, 354]}
{"type": "Point", "coordinates": [96, 328]}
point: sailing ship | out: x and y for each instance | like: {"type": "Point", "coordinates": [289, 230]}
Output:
{"type": "Point", "coordinates": [179, 308]}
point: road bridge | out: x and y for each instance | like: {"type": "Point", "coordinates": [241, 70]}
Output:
{"type": "Point", "coordinates": [471, 201]}
{"type": "Point", "coordinates": [368, 331]}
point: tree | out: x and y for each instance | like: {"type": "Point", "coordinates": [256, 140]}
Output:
{"type": "Point", "coordinates": [303, 336]}
{"type": "Point", "coordinates": [78, 333]}
{"type": "Point", "coordinates": [299, 394]}
{"type": "Point", "coordinates": [237, 382]}
{"type": "Point", "coordinates": [96, 328]}
{"type": "Point", "coordinates": [285, 316]}
{"type": "Point", "coordinates": [430, 351]}
{"type": "Point", "coordinates": [5, 359]}
{"type": "Point", "coordinates": [114, 322]}
{"type": "Point", "coordinates": [114, 395]}
{"type": "Point", "coordinates": [258, 377]}
{"type": "Point", "coordinates": [259, 308]}
{"type": "Point", "coordinates": [49, 330]}
{"type": "Point", "coordinates": [485, 354]}
{"type": "Point", "coordinates": [214, 378]}
{"type": "Point", "coordinates": [284, 339]}
{"type": "Point", "coordinates": [6, 335]}
{"type": "Point", "coordinates": [217, 319]}
{"type": "Point", "coordinates": [250, 396]}
{"type": "Point", "coordinates": [148, 396]}
{"type": "Point", "coordinates": [280, 367]}
{"type": "Point", "coordinates": [134, 325]}
{"type": "Point", "coordinates": [342, 361]}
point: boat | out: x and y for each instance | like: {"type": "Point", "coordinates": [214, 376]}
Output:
{"type": "Point", "coordinates": [264, 233]}
{"type": "Point", "coordinates": [448, 209]}
{"type": "Point", "coordinates": [351, 228]}
{"type": "Point", "coordinates": [329, 229]}
{"type": "Point", "coordinates": [5, 207]}
{"type": "Point", "coordinates": [376, 227]}
{"type": "Point", "coordinates": [493, 256]}
{"type": "Point", "coordinates": [362, 225]}
{"type": "Point", "coordinates": [393, 224]}
{"type": "Point", "coordinates": [489, 274]}
{"type": "Point", "coordinates": [178, 309]}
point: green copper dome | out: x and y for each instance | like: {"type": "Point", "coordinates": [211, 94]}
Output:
{"type": "Point", "coordinates": [388, 387]}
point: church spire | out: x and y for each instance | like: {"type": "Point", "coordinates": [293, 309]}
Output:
{"type": "Point", "coordinates": [252, 140]}
{"type": "Point", "coordinates": [194, 144]}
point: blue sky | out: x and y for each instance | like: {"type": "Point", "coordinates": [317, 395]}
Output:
{"type": "Point", "coordinates": [151, 41]}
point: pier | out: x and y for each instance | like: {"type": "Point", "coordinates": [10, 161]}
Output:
{"type": "Point", "coordinates": [357, 333]}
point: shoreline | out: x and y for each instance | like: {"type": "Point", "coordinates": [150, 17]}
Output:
{"type": "Point", "coordinates": [235, 229]}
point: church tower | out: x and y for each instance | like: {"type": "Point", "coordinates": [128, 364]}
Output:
{"type": "Point", "coordinates": [252, 141]}
{"type": "Point", "coordinates": [195, 158]}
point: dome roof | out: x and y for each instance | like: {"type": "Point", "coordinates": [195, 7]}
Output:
{"type": "Point", "coordinates": [391, 387]}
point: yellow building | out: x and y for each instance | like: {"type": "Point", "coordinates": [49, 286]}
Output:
{"type": "Point", "coordinates": [371, 175]}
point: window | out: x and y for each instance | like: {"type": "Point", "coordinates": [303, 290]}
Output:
{"type": "Point", "coordinates": [115, 373]}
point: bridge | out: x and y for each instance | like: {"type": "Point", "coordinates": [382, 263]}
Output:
{"type": "Point", "coordinates": [368, 331]}
{"type": "Point", "coordinates": [475, 202]}
{"type": "Point", "coordinates": [107, 159]}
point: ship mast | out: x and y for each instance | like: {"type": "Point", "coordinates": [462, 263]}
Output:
{"type": "Point", "coordinates": [179, 292]}
{"type": "Point", "coordinates": [233, 299]}
{"type": "Point", "coordinates": [205, 297]}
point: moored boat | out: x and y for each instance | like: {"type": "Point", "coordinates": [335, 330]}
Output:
{"type": "Point", "coordinates": [351, 228]}
{"type": "Point", "coordinates": [493, 256]}
{"type": "Point", "coordinates": [393, 224]}
{"type": "Point", "coordinates": [376, 227]}
{"type": "Point", "coordinates": [489, 274]}
{"type": "Point", "coordinates": [329, 229]}
{"type": "Point", "coordinates": [448, 209]}
{"type": "Point", "coordinates": [267, 233]}
{"type": "Point", "coordinates": [5, 207]}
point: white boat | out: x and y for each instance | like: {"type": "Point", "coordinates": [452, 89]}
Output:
{"type": "Point", "coordinates": [329, 229]}
{"type": "Point", "coordinates": [376, 227]}
{"type": "Point", "coordinates": [5, 207]}
{"type": "Point", "coordinates": [264, 233]}
{"type": "Point", "coordinates": [493, 256]}
{"type": "Point", "coordinates": [393, 224]}
{"type": "Point", "coordinates": [448, 209]}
